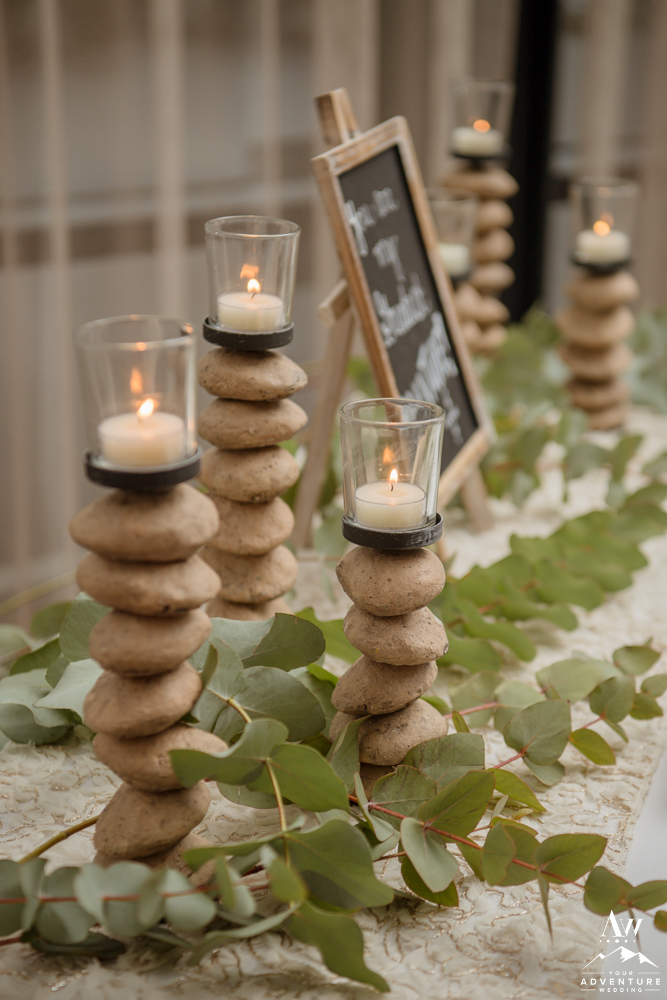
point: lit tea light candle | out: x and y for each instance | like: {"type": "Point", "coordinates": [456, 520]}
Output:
{"type": "Point", "coordinates": [601, 245]}
{"type": "Point", "coordinates": [253, 311]}
{"type": "Point", "coordinates": [389, 504]}
{"type": "Point", "coordinates": [142, 439]}
{"type": "Point", "coordinates": [478, 139]}
{"type": "Point", "coordinates": [455, 258]}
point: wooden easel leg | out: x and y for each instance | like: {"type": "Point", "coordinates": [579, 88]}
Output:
{"type": "Point", "coordinates": [475, 500]}
{"type": "Point", "coordinates": [334, 368]}
{"type": "Point", "coordinates": [441, 548]}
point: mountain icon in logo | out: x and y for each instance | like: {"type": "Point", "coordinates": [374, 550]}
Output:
{"type": "Point", "coordinates": [625, 955]}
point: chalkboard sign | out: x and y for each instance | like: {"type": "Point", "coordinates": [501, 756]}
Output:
{"type": "Point", "coordinates": [376, 202]}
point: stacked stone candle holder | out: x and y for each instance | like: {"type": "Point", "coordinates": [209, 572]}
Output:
{"type": "Point", "coordinates": [391, 458]}
{"type": "Point", "coordinates": [483, 112]}
{"type": "Point", "coordinates": [252, 263]}
{"type": "Point", "coordinates": [143, 538]}
{"type": "Point", "coordinates": [598, 321]}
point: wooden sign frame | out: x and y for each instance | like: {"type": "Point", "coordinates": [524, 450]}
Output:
{"type": "Point", "coordinates": [328, 167]}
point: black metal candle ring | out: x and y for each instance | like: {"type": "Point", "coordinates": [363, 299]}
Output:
{"type": "Point", "coordinates": [601, 268]}
{"type": "Point", "coordinates": [234, 340]}
{"type": "Point", "coordinates": [478, 160]}
{"type": "Point", "coordinates": [394, 539]}
{"type": "Point", "coordinates": [142, 480]}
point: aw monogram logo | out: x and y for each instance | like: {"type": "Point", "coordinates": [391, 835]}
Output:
{"type": "Point", "coordinates": [632, 970]}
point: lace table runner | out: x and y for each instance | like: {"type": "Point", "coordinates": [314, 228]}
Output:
{"type": "Point", "coordinates": [496, 944]}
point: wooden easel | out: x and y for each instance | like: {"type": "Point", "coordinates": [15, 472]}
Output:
{"type": "Point", "coordinates": [337, 312]}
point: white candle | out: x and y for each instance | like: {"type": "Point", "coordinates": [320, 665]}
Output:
{"type": "Point", "coordinates": [389, 505]}
{"type": "Point", "coordinates": [455, 258]}
{"type": "Point", "coordinates": [252, 311]}
{"type": "Point", "coordinates": [142, 439]}
{"type": "Point", "coordinates": [477, 141]}
{"type": "Point", "coordinates": [602, 245]}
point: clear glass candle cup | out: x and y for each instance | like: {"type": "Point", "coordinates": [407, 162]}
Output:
{"type": "Point", "coordinates": [604, 212]}
{"type": "Point", "coordinates": [454, 213]}
{"type": "Point", "coordinates": [251, 272]}
{"type": "Point", "coordinates": [138, 381]}
{"type": "Point", "coordinates": [483, 110]}
{"type": "Point", "coordinates": [391, 451]}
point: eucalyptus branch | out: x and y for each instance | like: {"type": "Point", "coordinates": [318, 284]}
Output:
{"type": "Point", "coordinates": [238, 708]}
{"type": "Point", "coordinates": [63, 835]}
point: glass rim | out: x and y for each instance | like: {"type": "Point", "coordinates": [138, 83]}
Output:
{"type": "Point", "coordinates": [214, 230]}
{"type": "Point", "coordinates": [346, 414]}
{"type": "Point", "coordinates": [615, 184]}
{"type": "Point", "coordinates": [81, 333]}
{"type": "Point", "coordinates": [438, 196]}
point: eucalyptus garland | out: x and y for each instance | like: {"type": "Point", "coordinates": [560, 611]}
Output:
{"type": "Point", "coordinates": [268, 694]}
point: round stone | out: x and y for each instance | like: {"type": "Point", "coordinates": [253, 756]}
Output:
{"type": "Point", "coordinates": [497, 244]}
{"type": "Point", "coordinates": [386, 739]}
{"type": "Point", "coordinates": [596, 366]}
{"type": "Point", "coordinates": [598, 395]}
{"type": "Point", "coordinates": [146, 527]}
{"type": "Point", "coordinates": [235, 423]}
{"type": "Point", "coordinates": [391, 583]}
{"type": "Point", "coordinates": [490, 310]}
{"type": "Point", "coordinates": [127, 707]}
{"type": "Point", "coordinates": [466, 299]}
{"type": "Point", "coordinates": [492, 278]}
{"type": "Point", "coordinates": [595, 330]}
{"type": "Point", "coordinates": [135, 824]}
{"type": "Point", "coordinates": [144, 762]}
{"type": "Point", "coordinates": [472, 333]}
{"type": "Point", "coordinates": [171, 858]}
{"type": "Point", "coordinates": [493, 213]}
{"type": "Point", "coordinates": [608, 419]}
{"type": "Point", "coordinates": [402, 640]}
{"type": "Point", "coordinates": [490, 339]}
{"type": "Point", "coordinates": [488, 182]}
{"type": "Point", "coordinates": [601, 292]}
{"type": "Point", "coordinates": [253, 579]}
{"type": "Point", "coordinates": [220, 608]}
{"type": "Point", "coordinates": [147, 588]}
{"type": "Point", "coordinates": [371, 688]}
{"type": "Point", "coordinates": [338, 723]}
{"type": "Point", "coordinates": [138, 646]}
{"type": "Point", "coordinates": [252, 375]}
{"type": "Point", "coordinates": [370, 774]}
{"type": "Point", "coordinates": [251, 529]}
{"type": "Point", "coordinates": [249, 476]}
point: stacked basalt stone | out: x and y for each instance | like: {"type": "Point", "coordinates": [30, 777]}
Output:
{"type": "Point", "coordinates": [245, 472]}
{"type": "Point", "coordinates": [400, 639]}
{"type": "Point", "coordinates": [595, 328]}
{"type": "Point", "coordinates": [143, 564]}
{"type": "Point", "coordinates": [481, 313]}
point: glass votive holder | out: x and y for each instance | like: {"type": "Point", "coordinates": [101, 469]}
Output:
{"type": "Point", "coordinates": [251, 273]}
{"type": "Point", "coordinates": [482, 110]}
{"type": "Point", "coordinates": [454, 213]}
{"type": "Point", "coordinates": [391, 451]}
{"type": "Point", "coordinates": [138, 380]}
{"type": "Point", "coordinates": [603, 220]}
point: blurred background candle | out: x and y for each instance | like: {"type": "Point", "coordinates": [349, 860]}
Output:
{"type": "Point", "coordinates": [455, 258]}
{"type": "Point", "coordinates": [454, 212]}
{"type": "Point", "coordinates": [602, 245]}
{"type": "Point", "coordinates": [390, 504]}
{"type": "Point", "coordinates": [477, 140]}
{"type": "Point", "coordinates": [603, 219]}
{"type": "Point", "coordinates": [482, 109]}
{"type": "Point", "coordinates": [142, 439]}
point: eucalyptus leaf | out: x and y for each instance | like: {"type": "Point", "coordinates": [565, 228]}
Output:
{"type": "Point", "coordinates": [427, 851]}
{"type": "Point", "coordinates": [503, 632]}
{"type": "Point", "coordinates": [47, 621]}
{"type": "Point", "coordinates": [648, 895]}
{"type": "Point", "coordinates": [447, 758]}
{"type": "Point", "coordinates": [524, 849]}
{"type": "Point", "coordinates": [77, 625]}
{"type": "Point", "coordinates": [473, 654]}
{"type": "Point", "coordinates": [613, 699]}
{"type": "Point", "coordinates": [216, 939]}
{"type": "Point", "coordinates": [71, 690]}
{"type": "Point", "coordinates": [322, 689]}
{"type": "Point", "coordinates": [655, 685]}
{"type": "Point", "coordinates": [458, 808]}
{"type": "Point", "coordinates": [37, 659]}
{"type": "Point", "coordinates": [382, 830]}
{"type": "Point", "coordinates": [635, 660]}
{"type": "Point", "coordinates": [307, 779]}
{"type": "Point", "coordinates": [497, 854]}
{"type": "Point", "coordinates": [273, 693]}
{"type": "Point", "coordinates": [548, 774]}
{"type": "Point", "coordinates": [604, 892]}
{"type": "Point", "coordinates": [645, 707]}
{"type": "Point", "coordinates": [13, 639]}
{"type": "Point", "coordinates": [337, 643]}
{"type": "Point", "coordinates": [478, 690]}
{"type": "Point", "coordinates": [339, 941]}
{"type": "Point", "coordinates": [449, 897]}
{"type": "Point", "coordinates": [570, 680]}
{"type": "Point", "coordinates": [344, 754]}
{"type": "Point", "coordinates": [556, 585]}
{"type": "Point", "coordinates": [20, 719]}
{"type": "Point", "coordinates": [568, 856]}
{"type": "Point", "coordinates": [290, 642]}
{"type": "Point", "coordinates": [512, 785]}
{"type": "Point", "coordinates": [286, 884]}
{"type": "Point", "coordinates": [188, 911]}
{"type": "Point", "coordinates": [62, 922]}
{"type": "Point", "coordinates": [10, 888]}
{"type": "Point", "coordinates": [540, 731]}
{"type": "Point", "coordinates": [593, 746]}
{"type": "Point", "coordinates": [240, 764]}
{"type": "Point", "coordinates": [403, 792]}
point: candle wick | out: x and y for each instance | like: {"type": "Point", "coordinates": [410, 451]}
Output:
{"type": "Point", "coordinates": [391, 485]}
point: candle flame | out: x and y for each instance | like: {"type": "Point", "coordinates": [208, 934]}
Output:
{"type": "Point", "coordinates": [249, 271]}
{"type": "Point", "coordinates": [393, 478]}
{"type": "Point", "coordinates": [136, 382]}
{"type": "Point", "coordinates": [601, 228]}
{"type": "Point", "coordinates": [481, 125]}
{"type": "Point", "coordinates": [146, 409]}
{"type": "Point", "coordinates": [253, 286]}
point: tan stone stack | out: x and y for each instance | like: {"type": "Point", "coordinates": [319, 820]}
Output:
{"type": "Point", "coordinates": [245, 472]}
{"type": "Point", "coordinates": [400, 639]}
{"type": "Point", "coordinates": [595, 327]}
{"type": "Point", "coordinates": [143, 564]}
{"type": "Point", "coordinates": [481, 312]}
